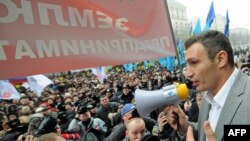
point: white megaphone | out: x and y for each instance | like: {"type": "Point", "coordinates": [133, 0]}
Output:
{"type": "Point", "coordinates": [147, 101]}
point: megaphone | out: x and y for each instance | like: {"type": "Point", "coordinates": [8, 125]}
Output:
{"type": "Point", "coordinates": [147, 101]}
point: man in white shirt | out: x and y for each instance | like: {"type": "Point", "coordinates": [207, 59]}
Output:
{"type": "Point", "coordinates": [210, 66]}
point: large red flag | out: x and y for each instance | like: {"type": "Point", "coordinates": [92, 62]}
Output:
{"type": "Point", "coordinates": [43, 36]}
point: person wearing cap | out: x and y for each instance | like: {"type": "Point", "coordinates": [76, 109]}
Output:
{"type": "Point", "coordinates": [48, 131]}
{"type": "Point", "coordinates": [126, 96]}
{"type": "Point", "coordinates": [92, 109]}
{"type": "Point", "coordinates": [87, 126]}
{"type": "Point", "coordinates": [15, 130]}
{"type": "Point", "coordinates": [112, 97]}
{"type": "Point", "coordinates": [35, 119]}
{"type": "Point", "coordinates": [128, 112]}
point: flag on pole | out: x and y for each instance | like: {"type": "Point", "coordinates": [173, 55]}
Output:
{"type": "Point", "coordinates": [197, 28]}
{"type": "Point", "coordinates": [170, 63]}
{"type": "Point", "coordinates": [181, 51]}
{"type": "Point", "coordinates": [128, 67]}
{"type": "Point", "coordinates": [37, 83]}
{"type": "Point", "coordinates": [8, 91]}
{"type": "Point", "coordinates": [145, 65]}
{"type": "Point", "coordinates": [210, 17]}
{"type": "Point", "coordinates": [162, 62]}
{"type": "Point", "coordinates": [103, 72]}
{"type": "Point", "coordinates": [226, 30]}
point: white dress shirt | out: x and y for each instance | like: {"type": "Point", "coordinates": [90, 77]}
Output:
{"type": "Point", "coordinates": [217, 102]}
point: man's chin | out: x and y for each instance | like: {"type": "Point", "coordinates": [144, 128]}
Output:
{"type": "Point", "coordinates": [198, 89]}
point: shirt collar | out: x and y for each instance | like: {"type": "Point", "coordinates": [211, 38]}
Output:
{"type": "Point", "coordinates": [219, 99]}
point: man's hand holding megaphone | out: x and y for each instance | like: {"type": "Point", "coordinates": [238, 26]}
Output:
{"type": "Point", "coordinates": [171, 95]}
{"type": "Point", "coordinates": [177, 119]}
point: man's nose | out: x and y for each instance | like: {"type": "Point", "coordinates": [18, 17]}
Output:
{"type": "Point", "coordinates": [139, 136]}
{"type": "Point", "coordinates": [188, 73]}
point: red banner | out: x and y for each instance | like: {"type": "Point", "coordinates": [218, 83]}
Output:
{"type": "Point", "coordinates": [42, 36]}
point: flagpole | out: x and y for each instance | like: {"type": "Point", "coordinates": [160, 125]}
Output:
{"type": "Point", "coordinates": [171, 28]}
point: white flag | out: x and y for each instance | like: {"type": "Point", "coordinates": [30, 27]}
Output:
{"type": "Point", "coordinates": [8, 91]}
{"type": "Point", "coordinates": [38, 82]}
{"type": "Point", "coordinates": [100, 72]}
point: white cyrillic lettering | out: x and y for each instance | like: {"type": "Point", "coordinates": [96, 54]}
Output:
{"type": "Point", "coordinates": [44, 15]}
{"type": "Point", "coordinates": [164, 42]}
{"type": "Point", "coordinates": [119, 23]}
{"type": "Point", "coordinates": [49, 50]}
{"type": "Point", "coordinates": [13, 12]}
{"type": "Point", "coordinates": [67, 47]}
{"type": "Point", "coordinates": [155, 43]}
{"type": "Point", "coordinates": [85, 46]}
{"type": "Point", "coordinates": [116, 44]}
{"type": "Point", "coordinates": [75, 16]}
{"type": "Point", "coordinates": [23, 49]}
{"type": "Point", "coordinates": [2, 52]}
{"type": "Point", "coordinates": [126, 43]}
{"type": "Point", "coordinates": [139, 46]}
{"type": "Point", "coordinates": [105, 21]}
{"type": "Point", "coordinates": [102, 46]}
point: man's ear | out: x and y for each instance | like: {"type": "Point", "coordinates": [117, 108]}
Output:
{"type": "Point", "coordinates": [126, 132]}
{"type": "Point", "coordinates": [221, 58]}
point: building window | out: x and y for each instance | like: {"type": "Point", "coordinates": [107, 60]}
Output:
{"type": "Point", "coordinates": [177, 13]}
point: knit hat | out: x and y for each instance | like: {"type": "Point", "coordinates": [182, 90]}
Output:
{"type": "Point", "coordinates": [127, 108]}
{"type": "Point", "coordinates": [48, 125]}
{"type": "Point", "coordinates": [82, 110]}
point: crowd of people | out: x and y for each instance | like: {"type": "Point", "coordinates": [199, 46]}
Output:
{"type": "Point", "coordinates": [80, 107]}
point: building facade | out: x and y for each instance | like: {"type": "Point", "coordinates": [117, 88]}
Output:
{"type": "Point", "coordinates": [180, 23]}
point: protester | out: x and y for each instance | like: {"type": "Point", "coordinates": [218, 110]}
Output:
{"type": "Point", "coordinates": [128, 112]}
{"type": "Point", "coordinates": [126, 96]}
{"type": "Point", "coordinates": [107, 111]}
{"type": "Point", "coordinates": [89, 128]}
{"type": "Point", "coordinates": [47, 131]}
{"type": "Point", "coordinates": [135, 129]}
{"type": "Point", "coordinates": [36, 119]}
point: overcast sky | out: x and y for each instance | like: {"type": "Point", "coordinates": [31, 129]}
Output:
{"type": "Point", "coordinates": [239, 10]}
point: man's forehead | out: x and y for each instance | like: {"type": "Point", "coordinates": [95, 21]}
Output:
{"type": "Point", "coordinates": [197, 50]}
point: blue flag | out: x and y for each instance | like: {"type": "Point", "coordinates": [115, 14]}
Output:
{"type": "Point", "coordinates": [128, 67]}
{"type": "Point", "coordinates": [162, 62]}
{"type": "Point", "coordinates": [170, 63]}
{"type": "Point", "coordinates": [226, 30]}
{"type": "Point", "coordinates": [145, 65]}
{"type": "Point", "coordinates": [152, 62]}
{"type": "Point", "coordinates": [197, 28]}
{"type": "Point", "coordinates": [210, 17]}
{"type": "Point", "coordinates": [181, 51]}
